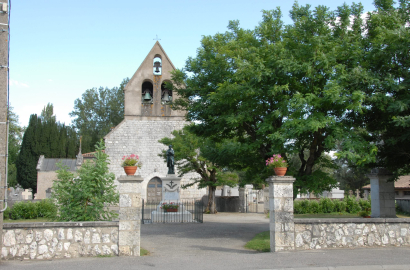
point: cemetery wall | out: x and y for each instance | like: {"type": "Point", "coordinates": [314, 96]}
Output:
{"type": "Point", "coordinates": [349, 233]}
{"type": "Point", "coordinates": [404, 204]}
{"type": "Point", "coordinates": [54, 240]}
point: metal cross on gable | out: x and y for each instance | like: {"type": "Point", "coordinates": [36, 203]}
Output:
{"type": "Point", "coordinates": [156, 38]}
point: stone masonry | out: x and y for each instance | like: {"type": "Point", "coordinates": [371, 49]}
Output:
{"type": "Point", "coordinates": [130, 215]}
{"type": "Point", "coordinates": [54, 240]}
{"type": "Point", "coordinates": [146, 123]}
{"type": "Point", "coordinates": [141, 137]}
{"type": "Point", "coordinates": [282, 231]}
{"type": "Point", "coordinates": [353, 232]}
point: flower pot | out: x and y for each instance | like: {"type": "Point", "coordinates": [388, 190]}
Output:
{"type": "Point", "coordinates": [172, 210]}
{"type": "Point", "coordinates": [130, 170]}
{"type": "Point", "coordinates": [281, 171]}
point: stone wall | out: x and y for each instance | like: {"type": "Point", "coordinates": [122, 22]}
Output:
{"type": "Point", "coordinates": [45, 181]}
{"type": "Point", "coordinates": [354, 232]}
{"type": "Point", "coordinates": [59, 240]}
{"type": "Point", "coordinates": [141, 137]}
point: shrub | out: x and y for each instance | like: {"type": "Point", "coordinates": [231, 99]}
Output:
{"type": "Point", "coordinates": [88, 195]}
{"type": "Point", "coordinates": [297, 207]}
{"type": "Point", "coordinates": [352, 206]}
{"type": "Point", "coordinates": [7, 213]}
{"type": "Point", "coordinates": [314, 207]}
{"type": "Point", "coordinates": [364, 204]}
{"type": "Point", "coordinates": [327, 205]}
{"type": "Point", "coordinates": [24, 210]}
{"type": "Point", "coordinates": [46, 208]}
{"type": "Point", "coordinates": [305, 206]}
{"type": "Point", "coordinates": [339, 206]}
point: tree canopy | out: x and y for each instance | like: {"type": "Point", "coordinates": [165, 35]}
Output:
{"type": "Point", "coordinates": [96, 112]}
{"type": "Point", "coordinates": [294, 89]}
{"type": "Point", "coordinates": [194, 154]}
{"type": "Point", "coordinates": [15, 138]}
{"type": "Point", "coordinates": [387, 61]}
{"type": "Point", "coordinates": [88, 194]}
{"type": "Point", "coordinates": [43, 136]}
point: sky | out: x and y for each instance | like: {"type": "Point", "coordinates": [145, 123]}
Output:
{"type": "Point", "coordinates": [59, 49]}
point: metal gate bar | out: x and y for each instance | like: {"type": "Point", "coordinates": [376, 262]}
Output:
{"type": "Point", "coordinates": [188, 211]}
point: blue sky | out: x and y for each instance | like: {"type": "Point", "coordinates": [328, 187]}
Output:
{"type": "Point", "coordinates": [59, 49]}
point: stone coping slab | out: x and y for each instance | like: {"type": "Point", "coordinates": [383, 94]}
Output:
{"type": "Point", "coordinates": [60, 224]}
{"type": "Point", "coordinates": [350, 220]}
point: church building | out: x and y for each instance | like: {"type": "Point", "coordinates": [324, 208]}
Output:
{"type": "Point", "coordinates": [148, 117]}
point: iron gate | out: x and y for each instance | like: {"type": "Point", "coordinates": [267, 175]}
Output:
{"type": "Point", "coordinates": [188, 211]}
{"type": "Point", "coordinates": [254, 201]}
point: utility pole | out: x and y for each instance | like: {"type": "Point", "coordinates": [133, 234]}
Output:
{"type": "Point", "coordinates": [4, 81]}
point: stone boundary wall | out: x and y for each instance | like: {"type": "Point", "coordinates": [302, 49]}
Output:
{"type": "Point", "coordinates": [351, 232]}
{"type": "Point", "coordinates": [404, 204]}
{"type": "Point", "coordinates": [52, 240]}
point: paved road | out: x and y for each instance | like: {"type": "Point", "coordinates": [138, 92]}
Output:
{"type": "Point", "coordinates": [218, 244]}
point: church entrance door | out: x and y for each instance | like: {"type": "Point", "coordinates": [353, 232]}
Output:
{"type": "Point", "coordinates": [154, 190]}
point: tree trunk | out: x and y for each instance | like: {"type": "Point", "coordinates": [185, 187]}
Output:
{"type": "Point", "coordinates": [211, 207]}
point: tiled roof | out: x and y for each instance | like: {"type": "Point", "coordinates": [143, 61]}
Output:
{"type": "Point", "coordinates": [90, 155]}
{"type": "Point", "coordinates": [50, 164]}
{"type": "Point", "coordinates": [402, 183]}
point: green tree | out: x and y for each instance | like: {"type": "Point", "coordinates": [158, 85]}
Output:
{"type": "Point", "coordinates": [88, 194]}
{"type": "Point", "coordinates": [14, 143]}
{"type": "Point", "coordinates": [97, 112]}
{"type": "Point", "coordinates": [48, 113]}
{"type": "Point", "coordinates": [27, 158]}
{"type": "Point", "coordinates": [387, 60]}
{"type": "Point", "coordinates": [43, 137]}
{"type": "Point", "coordinates": [281, 89]}
{"type": "Point", "coordinates": [199, 155]}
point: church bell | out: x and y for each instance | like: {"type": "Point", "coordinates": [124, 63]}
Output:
{"type": "Point", "coordinates": [166, 96]}
{"type": "Point", "coordinates": [147, 96]}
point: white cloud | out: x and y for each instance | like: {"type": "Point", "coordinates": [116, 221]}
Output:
{"type": "Point", "coordinates": [16, 83]}
{"type": "Point", "coordinates": [50, 80]}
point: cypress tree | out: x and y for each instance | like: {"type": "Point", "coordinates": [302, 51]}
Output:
{"type": "Point", "coordinates": [27, 158]}
{"type": "Point", "coordinates": [43, 136]}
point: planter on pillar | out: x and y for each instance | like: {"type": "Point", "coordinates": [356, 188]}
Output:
{"type": "Point", "coordinates": [382, 194]}
{"type": "Point", "coordinates": [281, 224]}
{"type": "Point", "coordinates": [130, 215]}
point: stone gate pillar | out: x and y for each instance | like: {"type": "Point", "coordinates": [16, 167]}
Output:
{"type": "Point", "coordinates": [130, 215]}
{"type": "Point", "coordinates": [382, 194]}
{"type": "Point", "coordinates": [242, 200]}
{"type": "Point", "coordinates": [281, 224]}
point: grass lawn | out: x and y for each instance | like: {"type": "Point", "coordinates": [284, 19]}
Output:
{"type": "Point", "coordinates": [260, 242]}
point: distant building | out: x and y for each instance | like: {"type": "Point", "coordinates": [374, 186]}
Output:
{"type": "Point", "coordinates": [47, 171]}
{"type": "Point", "coordinates": [401, 187]}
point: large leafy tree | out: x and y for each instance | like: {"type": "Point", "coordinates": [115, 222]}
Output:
{"type": "Point", "coordinates": [97, 112]}
{"type": "Point", "coordinates": [88, 194]}
{"type": "Point", "coordinates": [203, 156]}
{"type": "Point", "coordinates": [281, 89]}
{"type": "Point", "coordinates": [388, 104]}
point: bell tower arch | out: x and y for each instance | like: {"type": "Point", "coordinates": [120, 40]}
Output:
{"type": "Point", "coordinates": [146, 94]}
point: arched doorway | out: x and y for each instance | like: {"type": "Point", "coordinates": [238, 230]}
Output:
{"type": "Point", "coordinates": [154, 190]}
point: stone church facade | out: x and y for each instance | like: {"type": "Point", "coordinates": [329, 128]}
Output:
{"type": "Point", "coordinates": [149, 118]}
